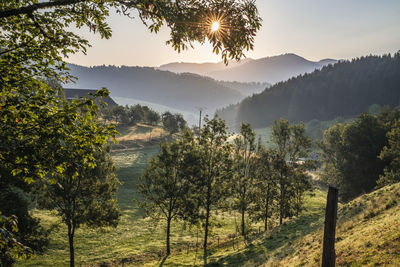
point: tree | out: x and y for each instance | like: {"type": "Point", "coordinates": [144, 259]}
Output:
{"type": "Point", "coordinates": [33, 45]}
{"type": "Point", "coordinates": [136, 114]}
{"type": "Point", "coordinates": [120, 114]}
{"type": "Point", "coordinates": [35, 125]}
{"type": "Point", "coordinates": [153, 117]}
{"type": "Point", "coordinates": [245, 149]}
{"type": "Point", "coordinates": [84, 194]}
{"type": "Point", "coordinates": [165, 184]}
{"type": "Point", "coordinates": [173, 123]}
{"type": "Point", "coordinates": [292, 147]}
{"type": "Point", "coordinates": [349, 155]}
{"type": "Point", "coordinates": [215, 170]}
{"type": "Point", "coordinates": [10, 248]}
{"type": "Point", "coordinates": [391, 154]}
{"type": "Point", "coordinates": [28, 231]}
{"type": "Point", "coordinates": [264, 191]}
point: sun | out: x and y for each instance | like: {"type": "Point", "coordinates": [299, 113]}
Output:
{"type": "Point", "coordinates": [215, 26]}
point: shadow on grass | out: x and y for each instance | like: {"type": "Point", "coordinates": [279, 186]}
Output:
{"type": "Point", "coordinates": [279, 243]}
{"type": "Point", "coordinates": [163, 260]}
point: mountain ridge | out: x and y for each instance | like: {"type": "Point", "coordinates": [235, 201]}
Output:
{"type": "Point", "coordinates": [345, 89]}
{"type": "Point", "coordinates": [184, 91]}
{"type": "Point", "coordinates": [267, 69]}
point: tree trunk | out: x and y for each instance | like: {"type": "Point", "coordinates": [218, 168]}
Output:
{"type": "Point", "coordinates": [243, 226]}
{"type": "Point", "coordinates": [206, 226]}
{"type": "Point", "coordinates": [244, 207]}
{"type": "Point", "coordinates": [168, 232]}
{"type": "Point", "coordinates": [71, 245]}
{"type": "Point", "coordinates": [266, 215]}
{"type": "Point", "coordinates": [281, 204]}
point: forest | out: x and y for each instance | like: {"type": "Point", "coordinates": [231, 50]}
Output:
{"type": "Point", "coordinates": [344, 89]}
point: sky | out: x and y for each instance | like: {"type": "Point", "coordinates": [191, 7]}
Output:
{"type": "Point", "coordinates": [313, 29]}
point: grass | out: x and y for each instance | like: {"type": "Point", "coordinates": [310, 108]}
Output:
{"type": "Point", "coordinates": [368, 231]}
{"type": "Point", "coordinates": [136, 240]}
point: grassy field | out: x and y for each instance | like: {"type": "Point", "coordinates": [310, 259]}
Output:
{"type": "Point", "coordinates": [136, 240]}
{"type": "Point", "coordinates": [368, 230]}
{"type": "Point", "coordinates": [368, 233]}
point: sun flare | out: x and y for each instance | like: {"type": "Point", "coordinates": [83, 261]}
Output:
{"type": "Point", "coordinates": [215, 26]}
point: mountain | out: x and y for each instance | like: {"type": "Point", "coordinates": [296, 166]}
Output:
{"type": "Point", "coordinates": [248, 88]}
{"type": "Point", "coordinates": [202, 68]}
{"type": "Point", "coordinates": [345, 89]}
{"type": "Point", "coordinates": [269, 69]}
{"type": "Point", "coordinates": [179, 91]}
{"type": "Point", "coordinates": [327, 61]}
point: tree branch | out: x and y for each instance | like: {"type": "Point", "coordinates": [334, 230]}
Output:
{"type": "Point", "coordinates": [30, 9]}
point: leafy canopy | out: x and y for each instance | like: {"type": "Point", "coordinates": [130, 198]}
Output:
{"type": "Point", "coordinates": [29, 32]}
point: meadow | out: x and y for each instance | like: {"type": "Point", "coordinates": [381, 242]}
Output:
{"type": "Point", "coordinates": [140, 241]}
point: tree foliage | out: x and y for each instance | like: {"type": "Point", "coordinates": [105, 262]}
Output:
{"type": "Point", "coordinates": [244, 159]}
{"type": "Point", "coordinates": [165, 184]}
{"type": "Point", "coordinates": [10, 248]}
{"type": "Point", "coordinates": [391, 153]}
{"type": "Point", "coordinates": [292, 149]}
{"type": "Point", "coordinates": [214, 171]}
{"type": "Point", "coordinates": [85, 194]}
{"type": "Point", "coordinates": [36, 127]}
{"type": "Point", "coordinates": [131, 115]}
{"type": "Point", "coordinates": [194, 177]}
{"type": "Point", "coordinates": [345, 89]}
{"type": "Point", "coordinates": [173, 123]}
{"type": "Point", "coordinates": [355, 154]}
{"type": "Point", "coordinates": [264, 190]}
{"type": "Point", "coordinates": [24, 229]}
{"type": "Point", "coordinates": [29, 32]}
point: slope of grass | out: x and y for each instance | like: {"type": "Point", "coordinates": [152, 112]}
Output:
{"type": "Point", "coordinates": [368, 234]}
{"type": "Point", "coordinates": [368, 231]}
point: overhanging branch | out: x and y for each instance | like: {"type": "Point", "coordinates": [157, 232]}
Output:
{"type": "Point", "coordinates": [30, 9]}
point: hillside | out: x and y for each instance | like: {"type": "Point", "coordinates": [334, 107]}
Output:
{"type": "Point", "coordinates": [345, 89]}
{"type": "Point", "coordinates": [246, 88]}
{"type": "Point", "coordinates": [178, 91]}
{"type": "Point", "coordinates": [269, 69]}
{"type": "Point", "coordinates": [368, 233]}
{"type": "Point", "coordinates": [201, 68]}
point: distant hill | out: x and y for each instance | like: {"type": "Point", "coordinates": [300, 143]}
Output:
{"type": "Point", "coordinates": [247, 88]}
{"type": "Point", "coordinates": [201, 68]}
{"type": "Point", "coordinates": [179, 91]}
{"type": "Point", "coordinates": [345, 89]}
{"type": "Point", "coordinates": [269, 69]}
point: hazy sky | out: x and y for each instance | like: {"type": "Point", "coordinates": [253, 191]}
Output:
{"type": "Point", "coordinates": [314, 29]}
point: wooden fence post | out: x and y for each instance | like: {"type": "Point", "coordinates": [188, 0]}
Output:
{"type": "Point", "coordinates": [328, 254]}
